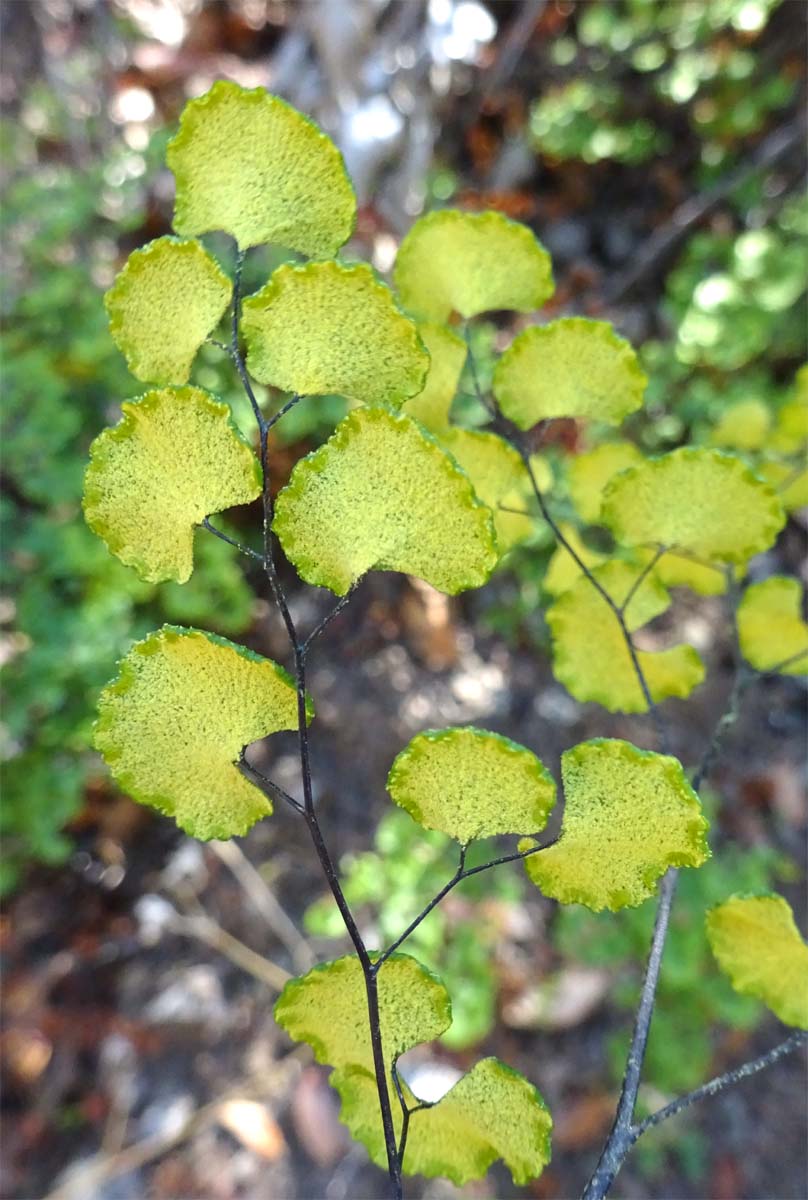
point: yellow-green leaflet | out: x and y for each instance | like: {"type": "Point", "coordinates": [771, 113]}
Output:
{"type": "Point", "coordinates": [174, 722]}
{"type": "Point", "coordinates": [470, 783]}
{"type": "Point", "coordinates": [173, 459]}
{"type": "Point", "coordinates": [628, 816]}
{"type": "Point", "coordinates": [492, 1112]}
{"type": "Point", "coordinates": [497, 474]}
{"type": "Point", "coordinates": [678, 570]}
{"type": "Point", "coordinates": [570, 368]}
{"type": "Point", "coordinates": [447, 354]}
{"type": "Point", "coordinates": [589, 473]}
{"type": "Point", "coordinates": [790, 432]}
{"type": "Point", "coordinates": [328, 1009]}
{"type": "Point", "coordinates": [757, 944]}
{"type": "Point", "coordinates": [470, 263]}
{"type": "Point", "coordinates": [743, 426]}
{"type": "Point", "coordinates": [382, 495]}
{"type": "Point", "coordinates": [247, 163]}
{"type": "Point", "coordinates": [590, 656]}
{"type": "Point", "coordinates": [704, 501]}
{"type": "Point", "coordinates": [325, 328]}
{"type": "Point", "coordinates": [167, 299]}
{"type": "Point", "coordinates": [770, 626]}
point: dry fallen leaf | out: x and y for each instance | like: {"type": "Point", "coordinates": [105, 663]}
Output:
{"type": "Point", "coordinates": [254, 1126]}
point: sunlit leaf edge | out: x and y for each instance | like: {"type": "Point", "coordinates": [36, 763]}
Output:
{"type": "Point", "coordinates": [694, 453]}
{"type": "Point", "coordinates": [123, 682]}
{"type": "Point", "coordinates": [308, 566]}
{"type": "Point", "coordinates": [418, 748]}
{"type": "Point", "coordinates": [195, 109]}
{"type": "Point", "coordinates": [409, 250]}
{"type": "Point", "coordinates": [273, 290]}
{"type": "Point", "coordinates": [696, 832]}
{"type": "Point", "coordinates": [122, 432]}
{"type": "Point", "coordinates": [115, 301]}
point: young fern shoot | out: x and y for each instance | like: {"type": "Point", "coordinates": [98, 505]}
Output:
{"type": "Point", "coordinates": [400, 486]}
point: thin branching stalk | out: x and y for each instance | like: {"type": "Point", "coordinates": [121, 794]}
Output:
{"type": "Point", "coordinates": [299, 651]}
{"type": "Point", "coordinates": [624, 1132]}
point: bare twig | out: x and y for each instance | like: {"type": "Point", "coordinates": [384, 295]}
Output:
{"type": "Point", "coordinates": [266, 903]}
{"type": "Point", "coordinates": [721, 1082]}
{"type": "Point", "coordinates": [661, 244]}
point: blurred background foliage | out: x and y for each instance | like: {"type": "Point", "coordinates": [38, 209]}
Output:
{"type": "Point", "coordinates": [656, 147]}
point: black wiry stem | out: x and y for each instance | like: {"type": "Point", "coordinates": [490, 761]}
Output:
{"type": "Point", "coordinates": [643, 575]}
{"type": "Point", "coordinates": [329, 617]}
{"type": "Point", "coordinates": [264, 781]}
{"type": "Point", "coordinates": [405, 1114]}
{"type": "Point", "coordinates": [299, 650]}
{"type": "Point", "coordinates": [462, 872]}
{"type": "Point", "coordinates": [723, 1081]}
{"type": "Point", "coordinates": [248, 550]}
{"type": "Point", "coordinates": [618, 610]}
{"type": "Point", "coordinates": [273, 420]}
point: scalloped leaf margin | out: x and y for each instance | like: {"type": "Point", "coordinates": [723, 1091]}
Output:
{"type": "Point", "coordinates": [174, 722]}
{"type": "Point", "coordinates": [704, 501]}
{"type": "Point", "coordinates": [573, 367]}
{"type": "Point", "coordinates": [174, 458]}
{"type": "Point", "coordinates": [470, 263]}
{"type": "Point", "coordinates": [249, 164]}
{"type": "Point", "coordinates": [382, 495]}
{"type": "Point", "coordinates": [470, 783]}
{"type": "Point", "coordinates": [326, 328]}
{"type": "Point", "coordinates": [629, 815]}
{"type": "Point", "coordinates": [169, 296]}
{"type": "Point", "coordinates": [492, 1112]}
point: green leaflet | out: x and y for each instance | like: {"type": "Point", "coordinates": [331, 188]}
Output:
{"type": "Point", "coordinates": [381, 495]}
{"type": "Point", "coordinates": [470, 783]}
{"type": "Point", "coordinates": [628, 816]}
{"type": "Point", "coordinates": [174, 722]}
{"type": "Point", "coordinates": [679, 570]}
{"type": "Point", "coordinates": [498, 476]}
{"type": "Point", "coordinates": [463, 1134]}
{"type": "Point", "coordinates": [692, 499]}
{"type": "Point", "coordinates": [169, 296]}
{"type": "Point", "coordinates": [247, 163]}
{"type": "Point", "coordinates": [770, 625]}
{"type": "Point", "coordinates": [447, 353]}
{"type": "Point", "coordinates": [570, 368]}
{"type": "Point", "coordinates": [757, 944]}
{"type": "Point", "coordinates": [328, 1009]}
{"type": "Point", "coordinates": [590, 656]}
{"type": "Point", "coordinates": [743, 426]}
{"type": "Point", "coordinates": [589, 473]}
{"type": "Point", "coordinates": [471, 263]}
{"type": "Point", "coordinates": [790, 432]}
{"type": "Point", "coordinates": [492, 1112]}
{"type": "Point", "coordinates": [173, 459]}
{"type": "Point", "coordinates": [325, 328]}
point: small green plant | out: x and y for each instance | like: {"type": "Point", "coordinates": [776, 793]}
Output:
{"type": "Point", "coordinates": [634, 67]}
{"type": "Point", "coordinates": [402, 486]}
